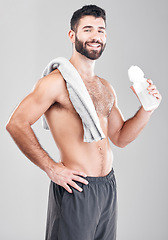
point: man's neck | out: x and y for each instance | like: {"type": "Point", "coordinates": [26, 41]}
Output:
{"type": "Point", "coordinates": [83, 65]}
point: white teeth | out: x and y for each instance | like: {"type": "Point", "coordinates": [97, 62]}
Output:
{"type": "Point", "coordinates": [94, 45]}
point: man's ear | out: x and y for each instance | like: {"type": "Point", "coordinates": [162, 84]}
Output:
{"type": "Point", "coordinates": [71, 35]}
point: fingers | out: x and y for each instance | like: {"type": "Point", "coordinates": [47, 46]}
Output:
{"type": "Point", "coordinates": [79, 173]}
{"type": "Point", "coordinates": [151, 87]}
{"type": "Point", "coordinates": [67, 188]}
{"type": "Point", "coordinates": [150, 81]}
{"type": "Point", "coordinates": [132, 88]}
{"type": "Point", "coordinates": [75, 185]}
{"type": "Point", "coordinates": [158, 96]}
{"type": "Point", "coordinates": [152, 90]}
{"type": "Point", "coordinates": [64, 177]}
{"type": "Point", "coordinates": [79, 179]}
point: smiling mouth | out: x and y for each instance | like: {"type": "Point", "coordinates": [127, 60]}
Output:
{"type": "Point", "coordinates": [94, 45]}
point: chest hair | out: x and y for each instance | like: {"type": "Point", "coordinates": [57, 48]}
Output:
{"type": "Point", "coordinates": [101, 96]}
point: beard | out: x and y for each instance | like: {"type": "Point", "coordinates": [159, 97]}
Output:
{"type": "Point", "coordinates": [93, 54]}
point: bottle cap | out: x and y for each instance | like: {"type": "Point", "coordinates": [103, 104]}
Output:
{"type": "Point", "coordinates": [135, 74]}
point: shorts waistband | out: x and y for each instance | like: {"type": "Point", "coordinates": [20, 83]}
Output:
{"type": "Point", "coordinates": [106, 178]}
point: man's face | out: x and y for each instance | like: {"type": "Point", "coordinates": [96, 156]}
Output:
{"type": "Point", "coordinates": [90, 37]}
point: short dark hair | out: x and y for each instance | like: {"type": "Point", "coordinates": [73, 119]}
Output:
{"type": "Point", "coordinates": [87, 10]}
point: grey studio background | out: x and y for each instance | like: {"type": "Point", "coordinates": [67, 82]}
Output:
{"type": "Point", "coordinates": [33, 33]}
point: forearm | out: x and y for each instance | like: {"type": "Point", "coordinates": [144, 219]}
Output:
{"type": "Point", "coordinates": [27, 142]}
{"type": "Point", "coordinates": [133, 126]}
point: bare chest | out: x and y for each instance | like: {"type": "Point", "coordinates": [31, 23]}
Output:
{"type": "Point", "coordinates": [101, 96]}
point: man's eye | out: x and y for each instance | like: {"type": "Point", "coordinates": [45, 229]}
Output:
{"type": "Point", "coordinates": [87, 30]}
{"type": "Point", "coordinates": [101, 31]}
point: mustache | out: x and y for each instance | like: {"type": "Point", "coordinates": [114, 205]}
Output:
{"type": "Point", "coordinates": [95, 42]}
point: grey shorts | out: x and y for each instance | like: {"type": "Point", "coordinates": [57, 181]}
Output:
{"type": "Point", "coordinates": [87, 215]}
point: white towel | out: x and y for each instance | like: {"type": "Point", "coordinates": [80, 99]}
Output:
{"type": "Point", "coordinates": [79, 97]}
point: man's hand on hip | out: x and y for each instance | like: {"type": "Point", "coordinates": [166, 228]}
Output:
{"type": "Point", "coordinates": [64, 176]}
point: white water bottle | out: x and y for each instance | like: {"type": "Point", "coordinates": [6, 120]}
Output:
{"type": "Point", "coordinates": [140, 85]}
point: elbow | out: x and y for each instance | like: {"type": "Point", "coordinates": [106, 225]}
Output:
{"type": "Point", "coordinates": [122, 144]}
{"type": "Point", "coordinates": [10, 125]}
{"type": "Point", "coordinates": [13, 124]}
{"type": "Point", "coordinates": [16, 124]}
{"type": "Point", "coordinates": [119, 142]}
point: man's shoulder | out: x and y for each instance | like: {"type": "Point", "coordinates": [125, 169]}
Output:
{"type": "Point", "coordinates": [52, 80]}
{"type": "Point", "coordinates": [51, 86]}
{"type": "Point", "coordinates": [55, 76]}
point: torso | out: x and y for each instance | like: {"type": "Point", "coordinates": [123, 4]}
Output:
{"type": "Point", "coordinates": [95, 158]}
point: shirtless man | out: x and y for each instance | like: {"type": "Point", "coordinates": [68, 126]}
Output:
{"type": "Point", "coordinates": [82, 198]}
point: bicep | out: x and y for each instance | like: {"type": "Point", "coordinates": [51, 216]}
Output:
{"type": "Point", "coordinates": [34, 105]}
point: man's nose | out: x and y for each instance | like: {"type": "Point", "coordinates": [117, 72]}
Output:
{"type": "Point", "coordinates": [95, 36]}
